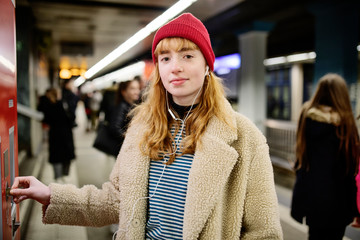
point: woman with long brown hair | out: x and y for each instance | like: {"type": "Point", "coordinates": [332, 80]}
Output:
{"type": "Point", "coordinates": [190, 167]}
{"type": "Point", "coordinates": [326, 161]}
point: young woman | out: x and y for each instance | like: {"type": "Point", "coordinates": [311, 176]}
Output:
{"type": "Point", "coordinates": [190, 167]}
{"type": "Point", "coordinates": [127, 94]}
{"type": "Point", "coordinates": [327, 153]}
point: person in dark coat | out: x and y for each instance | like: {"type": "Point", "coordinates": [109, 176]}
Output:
{"type": "Point", "coordinates": [69, 100]}
{"type": "Point", "coordinates": [127, 94]}
{"type": "Point", "coordinates": [61, 142]}
{"type": "Point", "coordinates": [327, 153]}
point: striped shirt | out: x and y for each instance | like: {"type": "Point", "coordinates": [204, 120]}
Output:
{"type": "Point", "coordinates": [166, 207]}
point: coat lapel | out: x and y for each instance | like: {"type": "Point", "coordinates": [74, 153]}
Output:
{"type": "Point", "coordinates": [212, 165]}
{"type": "Point", "coordinates": [133, 185]}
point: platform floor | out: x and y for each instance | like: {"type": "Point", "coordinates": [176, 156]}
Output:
{"type": "Point", "coordinates": [93, 167]}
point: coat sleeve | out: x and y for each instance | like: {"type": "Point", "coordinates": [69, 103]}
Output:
{"type": "Point", "coordinates": [261, 213]}
{"type": "Point", "coordinates": [86, 206]}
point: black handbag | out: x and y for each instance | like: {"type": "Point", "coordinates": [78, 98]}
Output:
{"type": "Point", "coordinates": [105, 141]}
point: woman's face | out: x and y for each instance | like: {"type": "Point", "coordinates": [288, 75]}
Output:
{"type": "Point", "coordinates": [132, 92]}
{"type": "Point", "coordinates": [182, 73]}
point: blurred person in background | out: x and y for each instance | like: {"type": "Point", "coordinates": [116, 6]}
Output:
{"type": "Point", "coordinates": [127, 94]}
{"type": "Point", "coordinates": [69, 100]}
{"type": "Point", "coordinates": [143, 84]}
{"type": "Point", "coordinates": [61, 142]}
{"type": "Point", "coordinates": [111, 131]}
{"type": "Point", "coordinates": [326, 161]}
{"type": "Point", "coordinates": [108, 102]}
{"type": "Point", "coordinates": [94, 104]}
{"type": "Point", "coordinates": [86, 100]}
{"type": "Point", "coordinates": [45, 101]}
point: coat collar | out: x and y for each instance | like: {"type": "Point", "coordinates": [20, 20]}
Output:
{"type": "Point", "coordinates": [324, 114]}
{"type": "Point", "coordinates": [212, 165]}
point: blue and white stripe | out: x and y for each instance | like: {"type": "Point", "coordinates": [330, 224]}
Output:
{"type": "Point", "coordinates": [166, 207]}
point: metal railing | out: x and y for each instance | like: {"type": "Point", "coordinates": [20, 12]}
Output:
{"type": "Point", "coordinates": [29, 112]}
{"type": "Point", "coordinates": [281, 137]}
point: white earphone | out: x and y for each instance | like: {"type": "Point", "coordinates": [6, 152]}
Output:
{"type": "Point", "coordinates": [207, 71]}
{"type": "Point", "coordinates": [172, 114]}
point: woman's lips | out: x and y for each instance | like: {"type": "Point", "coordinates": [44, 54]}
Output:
{"type": "Point", "coordinates": [177, 82]}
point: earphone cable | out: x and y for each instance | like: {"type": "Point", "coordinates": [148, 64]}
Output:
{"type": "Point", "coordinates": [176, 142]}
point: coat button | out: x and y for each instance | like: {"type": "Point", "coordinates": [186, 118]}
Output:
{"type": "Point", "coordinates": [135, 222]}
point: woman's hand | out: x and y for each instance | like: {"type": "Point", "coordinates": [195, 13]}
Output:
{"type": "Point", "coordinates": [29, 187]}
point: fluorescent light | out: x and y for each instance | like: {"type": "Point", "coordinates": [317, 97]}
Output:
{"type": "Point", "coordinates": [312, 55]}
{"type": "Point", "coordinates": [80, 80]}
{"type": "Point", "coordinates": [290, 59]}
{"type": "Point", "coordinates": [122, 74]}
{"type": "Point", "coordinates": [297, 57]}
{"type": "Point", "coordinates": [139, 36]}
{"type": "Point", "coordinates": [301, 57]}
{"type": "Point", "coordinates": [274, 61]}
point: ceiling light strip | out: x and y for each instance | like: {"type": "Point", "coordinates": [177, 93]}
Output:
{"type": "Point", "coordinates": [290, 59]}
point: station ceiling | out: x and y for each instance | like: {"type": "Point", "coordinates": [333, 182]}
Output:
{"type": "Point", "coordinates": [85, 31]}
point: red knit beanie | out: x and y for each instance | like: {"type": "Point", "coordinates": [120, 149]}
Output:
{"type": "Point", "coordinates": [189, 27]}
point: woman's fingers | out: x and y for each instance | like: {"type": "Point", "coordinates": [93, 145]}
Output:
{"type": "Point", "coordinates": [19, 191]}
{"type": "Point", "coordinates": [19, 199]}
{"type": "Point", "coordinates": [29, 187]}
{"type": "Point", "coordinates": [22, 182]}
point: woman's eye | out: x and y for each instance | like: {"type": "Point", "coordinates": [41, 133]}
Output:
{"type": "Point", "coordinates": [188, 56]}
{"type": "Point", "coordinates": [164, 59]}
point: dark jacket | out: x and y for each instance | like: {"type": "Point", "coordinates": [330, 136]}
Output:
{"type": "Point", "coordinates": [325, 194]}
{"type": "Point", "coordinates": [107, 104]}
{"type": "Point", "coordinates": [43, 106]}
{"type": "Point", "coordinates": [61, 142]}
{"type": "Point", "coordinates": [119, 121]}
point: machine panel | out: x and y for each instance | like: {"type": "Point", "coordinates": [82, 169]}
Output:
{"type": "Point", "coordinates": [9, 221]}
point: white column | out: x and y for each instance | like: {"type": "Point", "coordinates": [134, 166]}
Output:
{"type": "Point", "coordinates": [252, 90]}
{"type": "Point", "coordinates": [297, 83]}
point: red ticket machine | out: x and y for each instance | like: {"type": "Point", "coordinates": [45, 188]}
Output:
{"type": "Point", "coordinates": [9, 214]}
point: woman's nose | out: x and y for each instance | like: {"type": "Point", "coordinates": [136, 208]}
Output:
{"type": "Point", "coordinates": [176, 66]}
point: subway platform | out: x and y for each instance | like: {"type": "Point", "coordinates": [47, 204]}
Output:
{"type": "Point", "coordinates": [93, 167]}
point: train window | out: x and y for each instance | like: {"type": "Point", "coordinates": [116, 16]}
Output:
{"type": "Point", "coordinates": [278, 94]}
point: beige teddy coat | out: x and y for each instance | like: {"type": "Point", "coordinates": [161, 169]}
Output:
{"type": "Point", "coordinates": [231, 192]}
